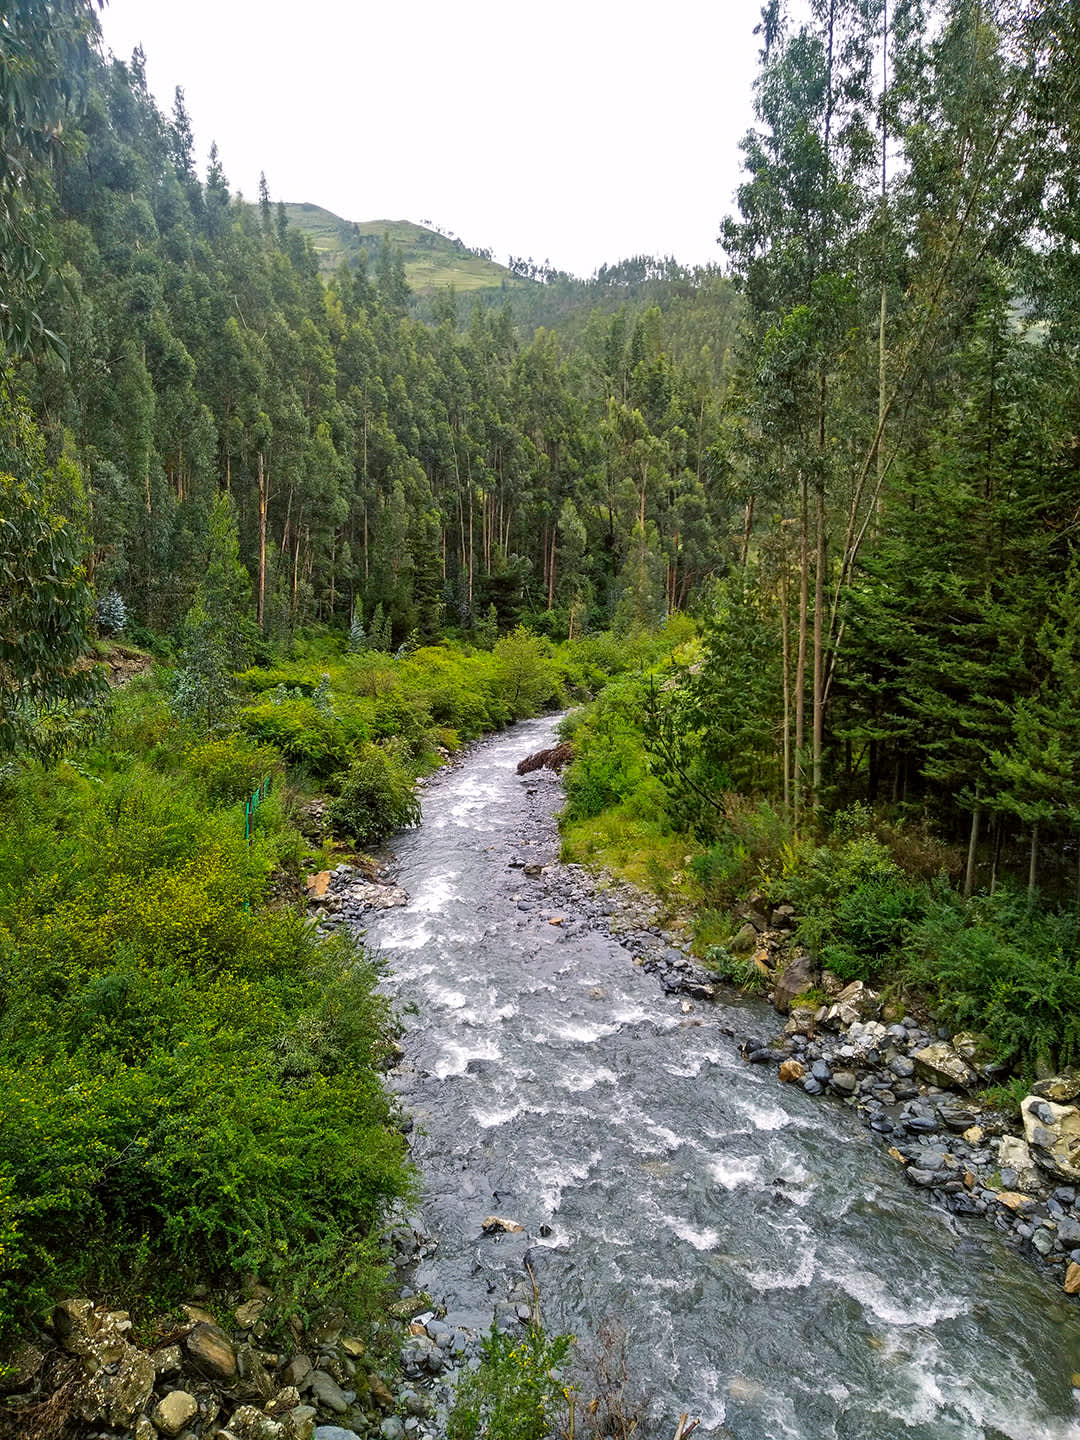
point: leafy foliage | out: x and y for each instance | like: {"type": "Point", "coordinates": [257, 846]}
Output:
{"type": "Point", "coordinates": [45, 602]}
{"type": "Point", "coordinates": [189, 1077]}
{"type": "Point", "coordinates": [517, 1391]}
{"type": "Point", "coordinates": [376, 798]}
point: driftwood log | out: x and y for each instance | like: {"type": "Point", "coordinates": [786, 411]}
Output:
{"type": "Point", "coordinates": [553, 759]}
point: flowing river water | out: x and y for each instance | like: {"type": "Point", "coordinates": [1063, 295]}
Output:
{"type": "Point", "coordinates": [771, 1270]}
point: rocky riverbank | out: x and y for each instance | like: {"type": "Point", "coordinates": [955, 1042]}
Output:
{"type": "Point", "coordinates": [234, 1372]}
{"type": "Point", "coordinates": [912, 1083]}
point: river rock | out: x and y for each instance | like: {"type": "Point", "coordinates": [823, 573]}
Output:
{"type": "Point", "coordinates": [1053, 1133]}
{"type": "Point", "coordinates": [327, 1392]}
{"type": "Point", "coordinates": [844, 1082]}
{"type": "Point", "coordinates": [116, 1395]}
{"type": "Point", "coordinates": [1014, 1201]}
{"type": "Point", "coordinates": [1072, 1279]}
{"type": "Point", "coordinates": [1014, 1154]}
{"type": "Point", "coordinates": [1059, 1088]}
{"type": "Point", "coordinates": [854, 1002]}
{"type": "Point", "coordinates": [368, 895]}
{"type": "Point", "coordinates": [791, 1070]}
{"type": "Point", "coordinates": [863, 1037]}
{"type": "Point", "coordinates": [496, 1225]}
{"type": "Point", "coordinates": [212, 1351]}
{"type": "Point", "coordinates": [173, 1412]}
{"type": "Point", "coordinates": [335, 1432]}
{"type": "Point", "coordinates": [20, 1370]}
{"type": "Point", "coordinates": [797, 976]}
{"type": "Point", "coordinates": [973, 1047]}
{"type": "Point", "coordinates": [939, 1064]}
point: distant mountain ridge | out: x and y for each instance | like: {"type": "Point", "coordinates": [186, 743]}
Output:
{"type": "Point", "coordinates": [433, 261]}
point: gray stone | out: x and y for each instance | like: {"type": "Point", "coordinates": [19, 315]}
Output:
{"type": "Point", "coordinates": [297, 1370]}
{"type": "Point", "coordinates": [902, 1067]}
{"type": "Point", "coordinates": [797, 976]}
{"type": "Point", "coordinates": [917, 1176]}
{"type": "Point", "coordinates": [173, 1412]}
{"type": "Point", "coordinates": [392, 1429]}
{"type": "Point", "coordinates": [1053, 1132]}
{"type": "Point", "coordinates": [212, 1351]}
{"type": "Point", "coordinates": [327, 1392]}
{"type": "Point", "coordinates": [854, 1002]}
{"type": "Point", "coordinates": [939, 1064]}
{"type": "Point", "coordinates": [1059, 1088]}
{"type": "Point", "coordinates": [117, 1393]}
{"type": "Point", "coordinates": [1043, 1241]}
{"type": "Point", "coordinates": [844, 1082]}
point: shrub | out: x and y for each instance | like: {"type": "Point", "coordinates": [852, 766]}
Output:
{"type": "Point", "coordinates": [302, 733]}
{"type": "Point", "coordinates": [229, 769]}
{"type": "Point", "coordinates": [517, 1391]}
{"type": "Point", "coordinates": [992, 966]}
{"type": "Point", "coordinates": [188, 1080]}
{"type": "Point", "coordinates": [376, 799]}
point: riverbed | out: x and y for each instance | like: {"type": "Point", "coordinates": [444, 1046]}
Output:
{"type": "Point", "coordinates": [769, 1267]}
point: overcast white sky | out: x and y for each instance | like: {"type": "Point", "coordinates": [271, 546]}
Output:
{"type": "Point", "coordinates": [580, 131]}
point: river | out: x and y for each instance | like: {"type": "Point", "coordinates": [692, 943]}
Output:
{"type": "Point", "coordinates": [773, 1273]}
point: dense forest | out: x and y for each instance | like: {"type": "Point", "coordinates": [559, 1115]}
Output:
{"type": "Point", "coordinates": [867, 428]}
{"type": "Point", "coordinates": [370, 459]}
{"type": "Point", "coordinates": [812, 512]}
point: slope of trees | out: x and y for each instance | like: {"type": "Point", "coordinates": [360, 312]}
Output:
{"type": "Point", "coordinates": [370, 459]}
{"type": "Point", "coordinates": [904, 420]}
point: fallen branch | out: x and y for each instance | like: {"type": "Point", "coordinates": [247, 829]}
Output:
{"type": "Point", "coordinates": [552, 759]}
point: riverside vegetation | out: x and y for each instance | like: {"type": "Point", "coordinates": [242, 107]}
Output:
{"type": "Point", "coordinates": [353, 535]}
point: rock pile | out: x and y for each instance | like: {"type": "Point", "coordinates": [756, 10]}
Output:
{"type": "Point", "coordinates": [203, 1381]}
{"type": "Point", "coordinates": [912, 1087]}
{"type": "Point", "coordinates": [342, 896]}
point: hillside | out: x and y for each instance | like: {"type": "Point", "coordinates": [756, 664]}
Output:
{"type": "Point", "coordinates": [432, 261]}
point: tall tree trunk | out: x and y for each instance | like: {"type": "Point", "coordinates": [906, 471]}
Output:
{"type": "Point", "coordinates": [260, 605]}
{"type": "Point", "coordinates": [748, 521]}
{"type": "Point", "coordinates": [785, 655]}
{"type": "Point", "coordinates": [800, 663]}
{"type": "Point", "coordinates": [1033, 865]}
{"type": "Point", "coordinates": [973, 851]}
{"type": "Point", "coordinates": [819, 666]}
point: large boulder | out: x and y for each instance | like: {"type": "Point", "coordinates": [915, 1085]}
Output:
{"type": "Point", "coordinates": [117, 1394]}
{"type": "Point", "coordinates": [797, 977]}
{"type": "Point", "coordinates": [854, 1002]}
{"type": "Point", "coordinates": [1059, 1088]}
{"type": "Point", "coordinates": [1015, 1154]}
{"type": "Point", "coordinates": [939, 1064]}
{"type": "Point", "coordinates": [1053, 1133]}
{"type": "Point", "coordinates": [212, 1351]}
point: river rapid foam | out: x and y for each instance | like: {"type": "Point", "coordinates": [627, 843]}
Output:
{"type": "Point", "coordinates": [772, 1273]}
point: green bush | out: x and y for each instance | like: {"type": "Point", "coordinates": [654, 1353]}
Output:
{"type": "Point", "coordinates": [189, 1079]}
{"type": "Point", "coordinates": [376, 799]}
{"type": "Point", "coordinates": [230, 768]}
{"type": "Point", "coordinates": [609, 758]}
{"type": "Point", "coordinates": [992, 966]}
{"type": "Point", "coordinates": [303, 734]}
{"type": "Point", "coordinates": [517, 1392]}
